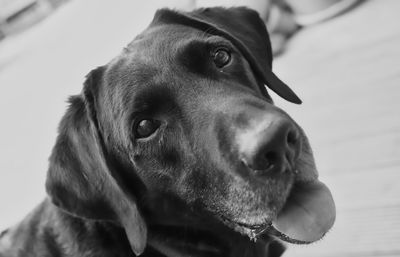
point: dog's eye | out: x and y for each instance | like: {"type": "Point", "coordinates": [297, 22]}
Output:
{"type": "Point", "coordinates": [221, 57]}
{"type": "Point", "coordinates": [145, 127]}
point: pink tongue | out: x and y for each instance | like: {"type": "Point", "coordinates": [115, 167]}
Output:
{"type": "Point", "coordinates": [308, 214]}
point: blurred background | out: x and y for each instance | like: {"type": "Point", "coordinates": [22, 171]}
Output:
{"type": "Point", "coordinates": [345, 69]}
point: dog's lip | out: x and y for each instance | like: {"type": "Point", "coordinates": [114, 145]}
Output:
{"type": "Point", "coordinates": [256, 228]}
{"type": "Point", "coordinates": [259, 231]}
{"type": "Point", "coordinates": [272, 231]}
{"type": "Point", "coordinates": [308, 214]}
{"type": "Point", "coordinates": [254, 231]}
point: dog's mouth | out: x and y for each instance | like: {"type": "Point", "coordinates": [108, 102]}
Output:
{"type": "Point", "coordinates": [253, 231]}
{"type": "Point", "coordinates": [308, 214]}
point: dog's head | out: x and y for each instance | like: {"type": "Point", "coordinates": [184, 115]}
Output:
{"type": "Point", "coordinates": [180, 127]}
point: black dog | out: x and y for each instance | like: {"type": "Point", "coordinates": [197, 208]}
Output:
{"type": "Point", "coordinates": [175, 148]}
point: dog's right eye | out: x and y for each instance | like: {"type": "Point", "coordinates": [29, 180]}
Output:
{"type": "Point", "coordinates": [221, 57]}
{"type": "Point", "coordinates": [145, 128]}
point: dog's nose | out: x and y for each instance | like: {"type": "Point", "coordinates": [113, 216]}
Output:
{"type": "Point", "coordinates": [272, 146]}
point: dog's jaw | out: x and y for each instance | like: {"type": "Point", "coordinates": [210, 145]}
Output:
{"type": "Point", "coordinates": [252, 231]}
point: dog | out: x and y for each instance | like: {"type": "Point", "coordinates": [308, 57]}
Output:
{"type": "Point", "coordinates": [175, 148]}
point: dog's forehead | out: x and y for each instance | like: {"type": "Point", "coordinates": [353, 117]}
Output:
{"type": "Point", "coordinates": [149, 60]}
{"type": "Point", "coordinates": [161, 41]}
{"type": "Point", "coordinates": [152, 56]}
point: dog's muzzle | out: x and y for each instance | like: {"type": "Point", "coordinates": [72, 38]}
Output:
{"type": "Point", "coordinates": [273, 150]}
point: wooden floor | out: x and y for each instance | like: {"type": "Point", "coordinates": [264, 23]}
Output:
{"type": "Point", "coordinates": [347, 71]}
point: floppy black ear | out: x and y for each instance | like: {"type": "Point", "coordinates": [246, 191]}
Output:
{"type": "Point", "coordinates": [245, 29]}
{"type": "Point", "coordinates": [79, 180]}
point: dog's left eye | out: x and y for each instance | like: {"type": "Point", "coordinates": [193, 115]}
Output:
{"type": "Point", "coordinates": [221, 57]}
{"type": "Point", "coordinates": [145, 128]}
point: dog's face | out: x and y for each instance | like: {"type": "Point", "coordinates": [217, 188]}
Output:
{"type": "Point", "coordinates": [184, 112]}
{"type": "Point", "coordinates": [186, 123]}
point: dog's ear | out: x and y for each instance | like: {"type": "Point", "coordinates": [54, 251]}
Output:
{"type": "Point", "coordinates": [79, 179]}
{"type": "Point", "coordinates": [245, 29]}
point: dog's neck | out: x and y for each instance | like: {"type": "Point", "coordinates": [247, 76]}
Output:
{"type": "Point", "coordinates": [51, 230]}
{"type": "Point", "coordinates": [47, 230]}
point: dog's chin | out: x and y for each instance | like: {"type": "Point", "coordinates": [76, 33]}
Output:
{"type": "Point", "coordinates": [302, 211]}
{"type": "Point", "coordinates": [306, 216]}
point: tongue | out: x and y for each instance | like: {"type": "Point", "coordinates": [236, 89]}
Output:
{"type": "Point", "coordinates": [308, 214]}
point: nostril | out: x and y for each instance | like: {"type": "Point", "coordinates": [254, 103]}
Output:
{"type": "Point", "coordinates": [292, 138]}
{"type": "Point", "coordinates": [272, 161]}
{"type": "Point", "coordinates": [293, 145]}
{"type": "Point", "coordinates": [271, 158]}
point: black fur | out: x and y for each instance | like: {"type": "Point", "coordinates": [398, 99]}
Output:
{"type": "Point", "coordinates": [172, 194]}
